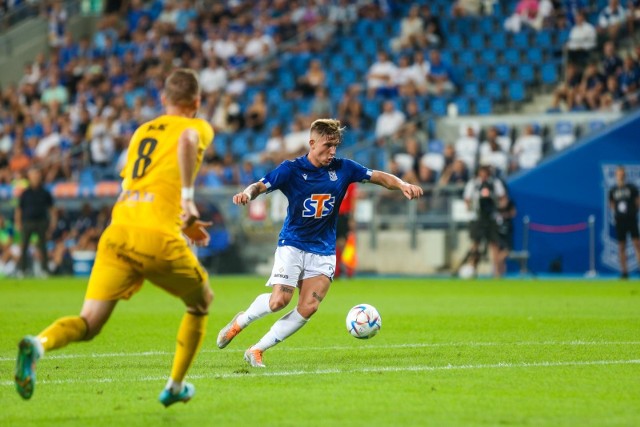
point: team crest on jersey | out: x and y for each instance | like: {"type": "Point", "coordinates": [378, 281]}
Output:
{"type": "Point", "coordinates": [318, 206]}
{"type": "Point", "coordinates": [333, 176]}
{"type": "Point", "coordinates": [610, 248]}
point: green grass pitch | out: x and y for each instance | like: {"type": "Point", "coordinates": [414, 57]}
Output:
{"type": "Point", "coordinates": [450, 353]}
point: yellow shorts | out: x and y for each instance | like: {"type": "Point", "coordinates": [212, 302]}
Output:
{"type": "Point", "coordinates": [128, 255]}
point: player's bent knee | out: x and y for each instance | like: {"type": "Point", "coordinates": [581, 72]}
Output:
{"type": "Point", "coordinates": [278, 302]}
{"type": "Point", "coordinates": [307, 310]}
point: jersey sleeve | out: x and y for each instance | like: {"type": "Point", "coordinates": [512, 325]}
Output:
{"type": "Point", "coordinates": [278, 177]}
{"type": "Point", "coordinates": [358, 172]}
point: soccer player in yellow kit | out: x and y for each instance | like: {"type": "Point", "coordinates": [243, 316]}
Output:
{"type": "Point", "coordinates": [145, 239]}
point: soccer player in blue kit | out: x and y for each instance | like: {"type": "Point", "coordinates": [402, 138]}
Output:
{"type": "Point", "coordinates": [315, 185]}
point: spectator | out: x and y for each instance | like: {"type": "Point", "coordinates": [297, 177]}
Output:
{"type": "Point", "coordinates": [565, 92]}
{"type": "Point", "coordinates": [296, 142]}
{"type": "Point", "coordinates": [611, 62]}
{"type": "Point", "coordinates": [592, 86]}
{"type": "Point", "coordinates": [467, 148]}
{"type": "Point", "coordinates": [34, 215]}
{"type": "Point", "coordinates": [466, 8]}
{"type": "Point", "coordinates": [321, 104]}
{"type": "Point", "coordinates": [526, 13]}
{"type": "Point", "coordinates": [492, 153]}
{"type": "Point", "coordinates": [630, 76]}
{"type": "Point", "coordinates": [256, 113]}
{"type": "Point", "coordinates": [381, 77]}
{"type": "Point", "coordinates": [275, 147]}
{"type": "Point", "coordinates": [582, 40]}
{"type": "Point", "coordinates": [227, 116]}
{"type": "Point", "coordinates": [411, 31]}
{"type": "Point", "coordinates": [9, 256]}
{"type": "Point", "coordinates": [419, 71]}
{"type": "Point", "coordinates": [527, 149]}
{"type": "Point", "coordinates": [343, 14]}
{"type": "Point", "coordinates": [439, 77]}
{"type": "Point", "coordinates": [313, 79]}
{"type": "Point", "coordinates": [612, 19]}
{"type": "Point", "coordinates": [455, 173]}
{"type": "Point", "coordinates": [433, 32]}
{"type": "Point", "coordinates": [389, 121]}
{"type": "Point", "coordinates": [213, 78]}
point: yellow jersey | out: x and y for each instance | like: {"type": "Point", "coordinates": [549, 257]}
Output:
{"type": "Point", "coordinates": [151, 186]}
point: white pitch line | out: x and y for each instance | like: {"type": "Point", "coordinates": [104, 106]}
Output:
{"type": "Point", "coordinates": [340, 348]}
{"type": "Point", "coordinates": [418, 368]}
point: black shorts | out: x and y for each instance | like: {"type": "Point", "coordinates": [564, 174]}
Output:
{"type": "Point", "coordinates": [484, 229]}
{"type": "Point", "coordinates": [626, 226]}
{"type": "Point", "coordinates": [342, 228]}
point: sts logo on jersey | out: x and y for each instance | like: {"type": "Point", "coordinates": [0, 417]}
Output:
{"type": "Point", "coordinates": [318, 206]}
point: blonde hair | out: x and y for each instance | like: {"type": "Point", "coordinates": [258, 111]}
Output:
{"type": "Point", "coordinates": [182, 88]}
{"type": "Point", "coordinates": [328, 127]}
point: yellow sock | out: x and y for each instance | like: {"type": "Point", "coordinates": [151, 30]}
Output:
{"type": "Point", "coordinates": [190, 337]}
{"type": "Point", "coordinates": [62, 332]}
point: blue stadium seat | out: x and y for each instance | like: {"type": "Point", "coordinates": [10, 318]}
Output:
{"type": "Point", "coordinates": [520, 40]}
{"type": "Point", "coordinates": [435, 146]}
{"type": "Point", "coordinates": [534, 55]}
{"type": "Point", "coordinates": [549, 74]}
{"type": "Point", "coordinates": [477, 42]}
{"type": "Point", "coordinates": [220, 143]}
{"type": "Point", "coordinates": [480, 72]}
{"type": "Point", "coordinates": [471, 90]}
{"type": "Point", "coordinates": [438, 106]}
{"type": "Point", "coordinates": [543, 39]}
{"type": "Point", "coordinates": [360, 63]}
{"type": "Point", "coordinates": [467, 58]}
{"type": "Point", "coordinates": [463, 106]}
{"type": "Point", "coordinates": [484, 106]}
{"type": "Point", "coordinates": [596, 125]}
{"type": "Point", "coordinates": [503, 73]}
{"type": "Point", "coordinates": [512, 56]}
{"type": "Point", "coordinates": [455, 42]}
{"type": "Point", "coordinates": [526, 73]}
{"type": "Point", "coordinates": [494, 90]}
{"type": "Point", "coordinates": [489, 56]}
{"type": "Point", "coordinates": [372, 108]}
{"type": "Point", "coordinates": [498, 41]}
{"type": "Point", "coordinates": [517, 91]}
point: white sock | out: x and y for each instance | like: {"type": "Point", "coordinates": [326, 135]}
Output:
{"type": "Point", "coordinates": [282, 329]}
{"type": "Point", "coordinates": [174, 387]}
{"type": "Point", "coordinates": [258, 308]}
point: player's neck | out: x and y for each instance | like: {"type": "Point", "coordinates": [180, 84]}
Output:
{"type": "Point", "coordinates": [315, 162]}
{"type": "Point", "coordinates": [181, 112]}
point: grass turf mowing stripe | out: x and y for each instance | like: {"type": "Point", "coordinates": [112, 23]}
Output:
{"type": "Point", "coordinates": [338, 348]}
{"type": "Point", "coordinates": [419, 368]}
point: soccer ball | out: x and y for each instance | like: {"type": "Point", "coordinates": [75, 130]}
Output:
{"type": "Point", "coordinates": [363, 321]}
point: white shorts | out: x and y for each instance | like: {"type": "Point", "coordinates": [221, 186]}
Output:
{"type": "Point", "coordinates": [292, 265]}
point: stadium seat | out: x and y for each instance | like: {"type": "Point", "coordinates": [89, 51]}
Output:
{"type": "Point", "coordinates": [549, 74]}
{"type": "Point", "coordinates": [498, 40]}
{"type": "Point", "coordinates": [484, 106]}
{"type": "Point", "coordinates": [472, 90]}
{"type": "Point", "coordinates": [595, 125]}
{"type": "Point", "coordinates": [477, 42]}
{"type": "Point", "coordinates": [503, 73]}
{"type": "Point", "coordinates": [512, 56]}
{"type": "Point", "coordinates": [526, 73]}
{"type": "Point", "coordinates": [517, 91]}
{"type": "Point", "coordinates": [438, 106]}
{"type": "Point", "coordinates": [489, 56]}
{"type": "Point", "coordinates": [543, 39]}
{"type": "Point", "coordinates": [435, 146]}
{"type": "Point", "coordinates": [534, 55]}
{"type": "Point", "coordinates": [520, 40]}
{"type": "Point", "coordinates": [494, 90]}
{"type": "Point", "coordinates": [455, 42]}
{"type": "Point", "coordinates": [463, 106]}
{"type": "Point", "coordinates": [467, 58]}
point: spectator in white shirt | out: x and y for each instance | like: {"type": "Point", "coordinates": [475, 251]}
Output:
{"type": "Point", "coordinates": [582, 40]}
{"type": "Point", "coordinates": [611, 19]}
{"type": "Point", "coordinates": [411, 31]}
{"type": "Point", "coordinates": [419, 71]}
{"type": "Point", "coordinates": [381, 77]}
{"type": "Point", "coordinates": [467, 148]}
{"type": "Point", "coordinates": [527, 149]}
{"type": "Point", "coordinates": [389, 121]}
{"type": "Point", "coordinates": [213, 78]}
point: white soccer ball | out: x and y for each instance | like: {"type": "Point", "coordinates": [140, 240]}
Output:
{"type": "Point", "coordinates": [363, 321]}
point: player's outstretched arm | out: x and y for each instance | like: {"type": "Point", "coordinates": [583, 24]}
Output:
{"type": "Point", "coordinates": [249, 193]}
{"type": "Point", "coordinates": [392, 182]}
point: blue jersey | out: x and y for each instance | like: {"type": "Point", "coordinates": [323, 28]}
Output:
{"type": "Point", "coordinates": [314, 195]}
